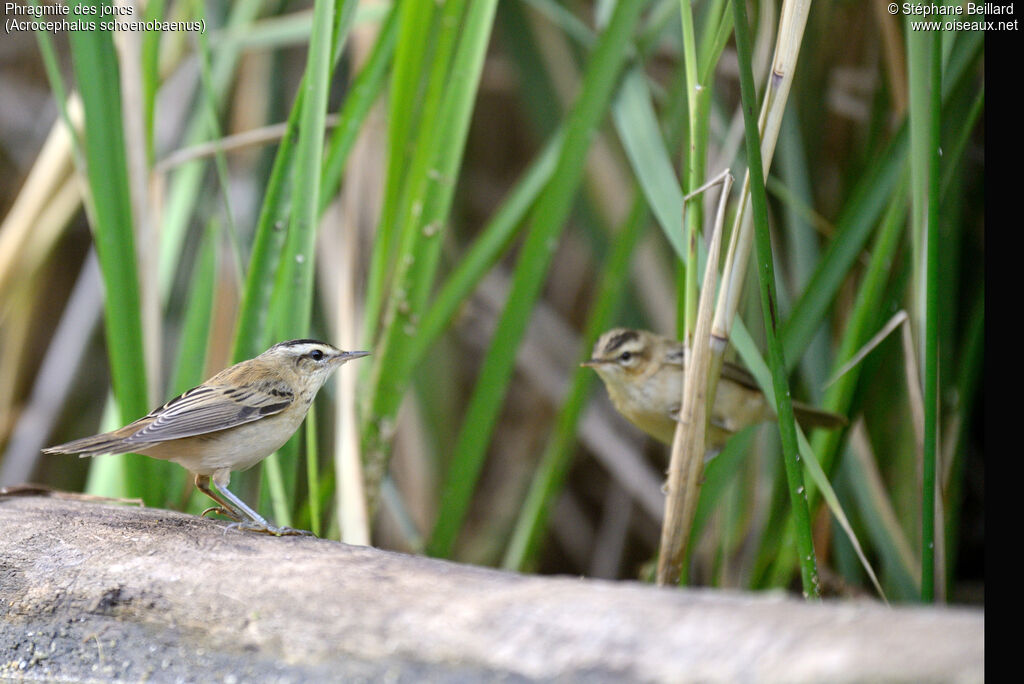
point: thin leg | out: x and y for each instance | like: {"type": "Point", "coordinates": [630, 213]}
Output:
{"type": "Point", "coordinates": [225, 508]}
{"type": "Point", "coordinates": [245, 518]}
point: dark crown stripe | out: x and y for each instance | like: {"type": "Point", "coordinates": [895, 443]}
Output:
{"type": "Point", "coordinates": [295, 343]}
{"type": "Point", "coordinates": [620, 339]}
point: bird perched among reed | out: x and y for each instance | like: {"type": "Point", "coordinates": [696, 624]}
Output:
{"type": "Point", "coordinates": [644, 372]}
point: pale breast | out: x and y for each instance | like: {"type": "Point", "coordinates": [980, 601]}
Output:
{"type": "Point", "coordinates": [236, 448]}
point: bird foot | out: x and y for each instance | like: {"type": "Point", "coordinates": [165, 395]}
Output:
{"type": "Point", "coordinates": [220, 510]}
{"type": "Point", "coordinates": [261, 528]}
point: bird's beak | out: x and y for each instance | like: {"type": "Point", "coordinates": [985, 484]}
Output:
{"type": "Point", "coordinates": [592, 363]}
{"type": "Point", "coordinates": [348, 356]}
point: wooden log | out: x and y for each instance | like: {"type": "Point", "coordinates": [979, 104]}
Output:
{"type": "Point", "coordinates": [96, 591]}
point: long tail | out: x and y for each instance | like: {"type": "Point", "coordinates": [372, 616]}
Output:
{"type": "Point", "coordinates": [809, 417]}
{"type": "Point", "coordinates": [97, 445]}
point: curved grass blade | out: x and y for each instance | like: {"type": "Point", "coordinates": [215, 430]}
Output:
{"type": "Point", "coordinates": [96, 71]}
{"type": "Point", "coordinates": [766, 278]}
{"type": "Point", "coordinates": [430, 186]}
{"type": "Point", "coordinates": [546, 223]}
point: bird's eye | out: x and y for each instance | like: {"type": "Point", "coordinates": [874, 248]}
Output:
{"type": "Point", "coordinates": [316, 355]}
{"type": "Point", "coordinates": [625, 356]}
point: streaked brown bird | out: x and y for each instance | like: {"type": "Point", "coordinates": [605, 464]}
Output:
{"type": "Point", "coordinates": [231, 422]}
{"type": "Point", "coordinates": [644, 372]}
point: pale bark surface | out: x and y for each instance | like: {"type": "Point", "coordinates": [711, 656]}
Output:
{"type": "Point", "coordinates": [94, 592]}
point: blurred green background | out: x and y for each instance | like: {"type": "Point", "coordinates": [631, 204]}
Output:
{"type": "Point", "coordinates": [474, 191]}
